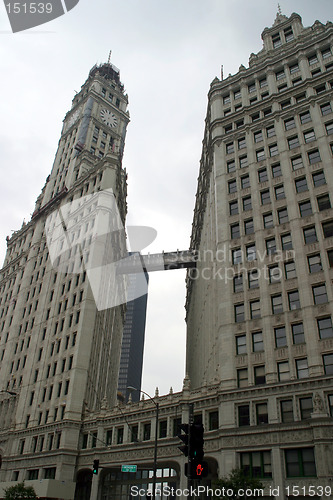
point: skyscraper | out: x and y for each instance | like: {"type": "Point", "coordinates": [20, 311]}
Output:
{"type": "Point", "coordinates": [60, 340]}
{"type": "Point", "coordinates": [259, 305]}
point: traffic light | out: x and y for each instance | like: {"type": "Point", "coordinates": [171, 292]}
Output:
{"type": "Point", "coordinates": [184, 438]}
{"type": "Point", "coordinates": [95, 466]}
{"type": "Point", "coordinates": [196, 443]}
{"type": "Point", "coordinates": [197, 470]}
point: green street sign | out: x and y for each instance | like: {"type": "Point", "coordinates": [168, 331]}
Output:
{"type": "Point", "coordinates": [128, 468]}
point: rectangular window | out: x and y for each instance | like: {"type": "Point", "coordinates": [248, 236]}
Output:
{"type": "Point", "coordinates": [243, 415]}
{"type": "Point", "coordinates": [279, 192]}
{"type": "Point", "coordinates": [314, 263]}
{"type": "Point", "coordinates": [300, 462]}
{"type": "Point", "coordinates": [251, 252]}
{"type": "Point", "coordinates": [146, 432]}
{"type": "Point", "coordinates": [256, 463]}
{"type": "Point", "coordinates": [325, 328]}
{"type": "Point", "coordinates": [239, 313]}
{"type": "Point", "coordinates": [265, 197]}
{"type": "Point", "coordinates": [301, 185]}
{"type": "Point", "coordinates": [243, 162]}
{"type": "Point", "coordinates": [298, 333]}
{"type": "Point", "coordinates": [270, 131]}
{"type": "Point", "coordinates": [270, 246]}
{"type": "Point", "coordinates": [280, 336]}
{"type": "Point", "coordinates": [274, 274]}
{"type": "Point", "coordinates": [249, 226]}
{"type": "Point", "coordinates": [309, 136]}
{"type": "Point", "coordinates": [327, 229]}
{"type": "Point", "coordinates": [232, 186]}
{"type": "Point", "coordinates": [237, 94]}
{"type": "Point", "coordinates": [293, 69]}
{"type": "Point", "coordinates": [290, 270]}
{"type": "Point", "coordinates": [258, 137]}
{"type": "Point", "coordinates": [314, 156]}
{"type": "Point", "coordinates": [273, 150]}
{"type": "Point", "coordinates": [319, 294]}
{"type": "Point", "coordinates": [287, 412]}
{"type": "Point", "coordinates": [328, 364]}
{"type": "Point", "coordinates": [285, 104]}
{"type": "Point", "coordinates": [288, 34]}
{"type": "Point", "coordinates": [329, 128]}
{"type": "Point", "coordinates": [253, 279]}
{"type": "Point", "coordinates": [326, 108]}
{"type": "Point", "coordinates": [241, 344]}
{"type": "Point", "coordinates": [213, 417]}
{"type": "Point", "coordinates": [247, 203]}
{"type": "Point", "coordinates": [231, 166]}
{"type": "Point", "coordinates": [296, 162]}
{"type": "Point", "coordinates": [257, 342]}
{"type": "Point", "coordinates": [318, 179]}
{"type": "Point", "coordinates": [163, 429]}
{"type": "Point", "coordinates": [235, 231]}
{"type": "Point", "coordinates": [323, 202]}
{"type": "Point", "coordinates": [226, 99]}
{"type": "Point", "coordinates": [259, 375]}
{"type": "Point", "coordinates": [262, 175]}
{"type": "Point", "coordinates": [283, 215]}
{"type": "Point", "coordinates": [237, 256]}
{"type": "Point", "coordinates": [255, 309]}
{"type": "Point", "coordinates": [306, 408]}
{"type": "Point", "coordinates": [280, 75]}
{"type": "Point", "coordinates": [289, 124]}
{"type": "Point", "coordinates": [277, 307]}
{"type": "Point", "coordinates": [326, 53]}
{"type": "Point", "coordinates": [230, 148]}
{"type": "Point", "coordinates": [233, 207]}
{"type": "Point", "coordinates": [305, 208]}
{"type": "Point", "coordinates": [262, 413]}
{"type": "Point", "coordinates": [293, 299]}
{"type": "Point", "coordinates": [245, 181]}
{"type": "Point", "coordinates": [268, 220]}
{"type": "Point", "coordinates": [305, 117]}
{"type": "Point", "coordinates": [242, 143]}
{"type": "Point", "coordinates": [242, 378]}
{"type": "Point", "coordinates": [302, 369]}
{"type": "Point", "coordinates": [251, 87]}
{"type": "Point", "coordinates": [238, 283]}
{"type": "Point", "coordinates": [260, 155]}
{"type": "Point", "coordinates": [283, 371]}
{"type": "Point", "coordinates": [293, 142]}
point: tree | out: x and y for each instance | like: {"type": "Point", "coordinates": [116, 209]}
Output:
{"type": "Point", "coordinates": [20, 491]}
{"type": "Point", "coordinates": [236, 481]}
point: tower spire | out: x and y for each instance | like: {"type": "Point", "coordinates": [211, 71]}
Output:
{"type": "Point", "coordinates": [109, 60]}
{"type": "Point", "coordinates": [279, 9]}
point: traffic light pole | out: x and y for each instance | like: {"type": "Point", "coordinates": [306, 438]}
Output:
{"type": "Point", "coordinates": [189, 466]}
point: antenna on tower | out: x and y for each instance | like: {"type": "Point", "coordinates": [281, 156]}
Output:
{"type": "Point", "coordinates": [221, 71]}
{"type": "Point", "coordinates": [279, 9]}
{"type": "Point", "coordinates": [109, 60]}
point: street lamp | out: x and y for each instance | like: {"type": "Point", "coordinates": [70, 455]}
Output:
{"type": "Point", "coordinates": [130, 388]}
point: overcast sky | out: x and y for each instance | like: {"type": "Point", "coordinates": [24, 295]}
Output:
{"type": "Point", "coordinates": [168, 52]}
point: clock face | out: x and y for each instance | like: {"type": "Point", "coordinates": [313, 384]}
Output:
{"type": "Point", "coordinates": [74, 117]}
{"type": "Point", "coordinates": [108, 118]}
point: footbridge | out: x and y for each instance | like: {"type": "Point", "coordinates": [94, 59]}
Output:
{"type": "Point", "coordinates": [135, 263]}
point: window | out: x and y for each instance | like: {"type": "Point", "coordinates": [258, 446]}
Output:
{"type": "Point", "coordinates": [255, 309]}
{"type": "Point", "coordinates": [305, 208]}
{"type": "Point", "coordinates": [326, 53]}
{"type": "Point", "coordinates": [313, 59]}
{"type": "Point", "coordinates": [302, 369]}
{"type": "Point", "coordinates": [262, 175]}
{"type": "Point", "coordinates": [243, 415]}
{"type": "Point", "coordinates": [253, 279]}
{"type": "Point", "coordinates": [251, 87]}
{"type": "Point", "coordinates": [323, 202]}
{"type": "Point", "coordinates": [50, 473]}
{"type": "Point", "coordinates": [259, 375]}
{"type": "Point", "coordinates": [309, 136]}
{"type": "Point", "coordinates": [237, 94]}
{"type": "Point", "coordinates": [285, 104]}
{"type": "Point", "coordinates": [305, 117]}
{"type": "Point", "coordinates": [327, 229]}
{"type": "Point", "coordinates": [258, 137]}
{"type": "Point", "coordinates": [247, 203]}
{"type": "Point", "coordinates": [256, 463]}
{"type": "Point", "coordinates": [279, 192]}
{"type": "Point", "coordinates": [146, 432]}
{"type": "Point", "coordinates": [235, 231]}
{"type": "Point", "coordinates": [280, 75]}
{"type": "Point", "coordinates": [233, 207]}
{"type": "Point", "coordinates": [293, 299]}
{"type": "Point", "coordinates": [289, 124]}
{"type": "Point", "coordinates": [283, 87]}
{"type": "Point", "coordinates": [237, 256]}
{"type": "Point", "coordinates": [283, 215]}
{"type": "Point", "coordinates": [328, 364]}
{"type": "Point", "coordinates": [288, 34]}
{"type": "Point", "coordinates": [297, 81]}
{"type": "Point", "coordinates": [326, 109]}
{"type": "Point", "coordinates": [232, 186]}
{"type": "Point", "coordinates": [290, 270]}
{"type": "Point", "coordinates": [280, 336]}
{"type": "Point", "coordinates": [277, 307]}
{"type": "Point", "coordinates": [248, 226]}
{"type": "Point", "coordinates": [300, 97]}
{"type": "Point", "coordinates": [226, 99]}
{"type": "Point", "coordinates": [241, 344]}
{"type": "Point", "coordinates": [245, 181]}
{"type": "Point", "coordinates": [243, 162]}
{"type": "Point", "coordinates": [310, 235]}
{"type": "Point", "coordinates": [314, 156]}
{"type": "Point", "coordinates": [262, 413]}
{"type": "Point", "coordinates": [306, 408]}
{"type": "Point", "coordinates": [325, 328]}
{"type": "Point", "coordinates": [230, 148]}
{"type": "Point", "coordinates": [287, 413]}
{"type": "Point", "coordinates": [265, 197]}
{"type": "Point", "coordinates": [330, 404]}
{"type": "Point", "coordinates": [314, 263]}
{"type": "Point", "coordinates": [330, 257]}
{"type": "Point", "coordinates": [273, 150]}
{"type": "Point", "coordinates": [238, 283]}
{"type": "Point", "coordinates": [329, 128]}
{"type": "Point", "coordinates": [231, 166]}
{"type": "Point", "coordinates": [274, 274]}
{"type": "Point", "coordinates": [318, 179]}
{"type": "Point", "coordinates": [301, 184]}
{"type": "Point", "coordinates": [319, 294]}
{"type": "Point", "coordinates": [257, 342]}
{"type": "Point", "coordinates": [300, 462]}
{"type": "Point", "coordinates": [297, 331]}
{"type": "Point", "coordinates": [296, 162]}
{"type": "Point", "coordinates": [268, 220]}
{"type": "Point", "coordinates": [251, 252]}
{"type": "Point", "coordinates": [239, 313]}
{"type": "Point", "coordinates": [270, 131]}
{"type": "Point", "coordinates": [293, 69]}
{"type": "Point", "coordinates": [270, 246]}
{"type": "Point", "coordinates": [293, 142]}
{"type": "Point", "coordinates": [242, 143]}
{"type": "Point", "coordinates": [163, 428]}
{"type": "Point", "coordinates": [260, 154]}
{"type": "Point", "coordinates": [213, 421]}
{"type": "Point", "coordinates": [263, 83]}
{"type": "Point", "coordinates": [242, 378]}
{"type": "Point", "coordinates": [283, 371]}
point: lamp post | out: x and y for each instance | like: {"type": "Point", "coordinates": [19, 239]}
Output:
{"type": "Point", "coordinates": [130, 388]}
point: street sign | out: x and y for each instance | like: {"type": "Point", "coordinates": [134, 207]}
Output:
{"type": "Point", "coordinates": [128, 468]}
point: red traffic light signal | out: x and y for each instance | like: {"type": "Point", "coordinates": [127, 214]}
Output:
{"type": "Point", "coordinates": [198, 470]}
